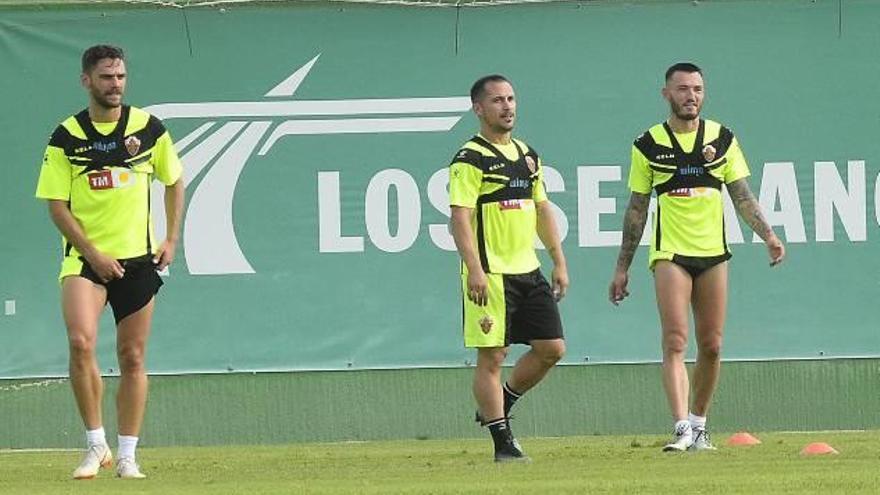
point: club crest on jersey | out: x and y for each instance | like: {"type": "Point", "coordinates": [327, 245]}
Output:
{"type": "Point", "coordinates": [530, 162]}
{"type": "Point", "coordinates": [709, 152]}
{"type": "Point", "coordinates": [133, 145]}
{"type": "Point", "coordinates": [486, 323]}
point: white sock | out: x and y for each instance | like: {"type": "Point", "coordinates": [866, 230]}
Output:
{"type": "Point", "coordinates": [127, 444]}
{"type": "Point", "coordinates": [96, 436]}
{"type": "Point", "coordinates": [682, 424]}
{"type": "Point", "coordinates": [697, 422]}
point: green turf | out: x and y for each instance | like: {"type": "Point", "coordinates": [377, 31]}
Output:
{"type": "Point", "coordinates": [560, 465]}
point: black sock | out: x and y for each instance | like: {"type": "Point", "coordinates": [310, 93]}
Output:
{"type": "Point", "coordinates": [510, 398]}
{"type": "Point", "coordinates": [500, 431]}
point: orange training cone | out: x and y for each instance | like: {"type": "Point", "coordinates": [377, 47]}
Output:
{"type": "Point", "coordinates": [818, 448]}
{"type": "Point", "coordinates": [742, 439]}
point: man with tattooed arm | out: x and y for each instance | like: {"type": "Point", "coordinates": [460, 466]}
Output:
{"type": "Point", "coordinates": [686, 161]}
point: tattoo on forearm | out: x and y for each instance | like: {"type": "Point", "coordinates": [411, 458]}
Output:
{"type": "Point", "coordinates": [633, 226]}
{"type": "Point", "coordinates": [748, 208]}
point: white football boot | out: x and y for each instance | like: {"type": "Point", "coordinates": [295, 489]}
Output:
{"type": "Point", "coordinates": [126, 468]}
{"type": "Point", "coordinates": [97, 456]}
{"type": "Point", "coordinates": [682, 438]}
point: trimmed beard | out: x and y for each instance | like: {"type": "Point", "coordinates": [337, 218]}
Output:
{"type": "Point", "coordinates": [679, 112]}
{"type": "Point", "coordinates": [102, 100]}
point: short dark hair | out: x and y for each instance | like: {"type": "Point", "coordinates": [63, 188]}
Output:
{"type": "Point", "coordinates": [96, 53]}
{"type": "Point", "coordinates": [479, 87]}
{"type": "Point", "coordinates": [682, 67]}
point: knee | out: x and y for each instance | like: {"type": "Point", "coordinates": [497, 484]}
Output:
{"type": "Point", "coordinates": [81, 345]}
{"type": "Point", "coordinates": [710, 349]}
{"type": "Point", "coordinates": [551, 354]}
{"type": "Point", "coordinates": [675, 343]}
{"type": "Point", "coordinates": [491, 359]}
{"type": "Point", "coordinates": [131, 358]}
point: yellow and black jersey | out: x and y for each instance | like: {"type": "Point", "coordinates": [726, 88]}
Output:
{"type": "Point", "coordinates": [687, 172]}
{"type": "Point", "coordinates": [501, 183]}
{"type": "Point", "coordinates": [104, 170]}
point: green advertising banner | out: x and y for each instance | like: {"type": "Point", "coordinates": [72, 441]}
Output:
{"type": "Point", "coordinates": [315, 139]}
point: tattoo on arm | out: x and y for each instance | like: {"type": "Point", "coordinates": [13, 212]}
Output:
{"type": "Point", "coordinates": [748, 208]}
{"type": "Point", "coordinates": [633, 226]}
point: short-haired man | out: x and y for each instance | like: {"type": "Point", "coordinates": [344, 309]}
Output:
{"type": "Point", "coordinates": [498, 203]}
{"type": "Point", "coordinates": [686, 161]}
{"type": "Point", "coordinates": [96, 175]}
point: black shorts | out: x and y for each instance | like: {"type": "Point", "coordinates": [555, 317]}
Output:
{"type": "Point", "coordinates": [129, 294]}
{"type": "Point", "coordinates": [532, 312]}
{"type": "Point", "coordinates": [696, 265]}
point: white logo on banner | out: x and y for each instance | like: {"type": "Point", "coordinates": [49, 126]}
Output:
{"type": "Point", "coordinates": [208, 232]}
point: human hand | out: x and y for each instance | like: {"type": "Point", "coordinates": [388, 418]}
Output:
{"type": "Point", "coordinates": [776, 250]}
{"type": "Point", "coordinates": [617, 291]}
{"type": "Point", "coordinates": [164, 254]}
{"type": "Point", "coordinates": [560, 281]}
{"type": "Point", "coordinates": [106, 267]}
{"type": "Point", "coordinates": [478, 287]}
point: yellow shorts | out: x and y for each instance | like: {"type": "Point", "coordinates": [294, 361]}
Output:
{"type": "Point", "coordinates": [520, 308]}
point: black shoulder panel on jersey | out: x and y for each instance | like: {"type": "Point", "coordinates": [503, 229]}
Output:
{"type": "Point", "coordinates": [155, 127]}
{"type": "Point", "coordinates": [149, 134]}
{"type": "Point", "coordinates": [646, 144]}
{"type": "Point", "coordinates": [61, 137]}
{"type": "Point", "coordinates": [723, 141]}
{"type": "Point", "coordinates": [469, 156]}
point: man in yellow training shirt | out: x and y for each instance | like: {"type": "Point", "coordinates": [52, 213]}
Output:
{"type": "Point", "coordinates": [498, 203]}
{"type": "Point", "coordinates": [96, 175]}
{"type": "Point", "coordinates": [686, 161]}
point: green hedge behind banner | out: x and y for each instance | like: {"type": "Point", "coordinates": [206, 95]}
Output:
{"type": "Point", "coordinates": [315, 139]}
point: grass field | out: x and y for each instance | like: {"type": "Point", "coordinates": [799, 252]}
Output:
{"type": "Point", "coordinates": [600, 464]}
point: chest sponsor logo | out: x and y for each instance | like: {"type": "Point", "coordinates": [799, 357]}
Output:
{"type": "Point", "coordinates": [510, 204]}
{"type": "Point", "coordinates": [516, 204]}
{"type": "Point", "coordinates": [100, 180]}
{"type": "Point", "coordinates": [122, 177]}
{"type": "Point", "coordinates": [110, 179]}
{"type": "Point", "coordinates": [105, 146]}
{"type": "Point", "coordinates": [520, 183]}
{"type": "Point", "coordinates": [692, 170]}
{"type": "Point", "coordinates": [691, 192]}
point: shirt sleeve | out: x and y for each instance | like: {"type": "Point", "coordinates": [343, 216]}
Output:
{"type": "Point", "coordinates": [55, 173]}
{"type": "Point", "coordinates": [641, 178]}
{"type": "Point", "coordinates": [166, 163]}
{"type": "Point", "coordinates": [539, 192]}
{"type": "Point", "coordinates": [465, 179]}
{"type": "Point", "coordinates": [736, 167]}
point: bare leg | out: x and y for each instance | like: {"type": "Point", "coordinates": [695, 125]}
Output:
{"type": "Point", "coordinates": [534, 365]}
{"type": "Point", "coordinates": [673, 287]}
{"type": "Point", "coordinates": [82, 302]}
{"type": "Point", "coordinates": [710, 307]}
{"type": "Point", "coordinates": [131, 343]}
{"type": "Point", "coordinates": [487, 382]}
